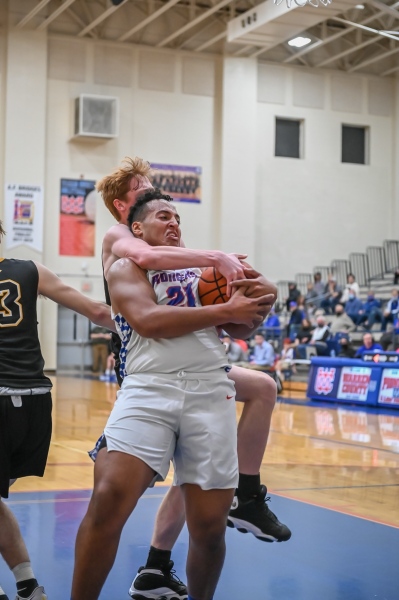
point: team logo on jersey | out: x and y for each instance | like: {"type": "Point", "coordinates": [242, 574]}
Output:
{"type": "Point", "coordinates": [324, 382]}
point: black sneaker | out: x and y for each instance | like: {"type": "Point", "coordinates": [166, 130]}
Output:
{"type": "Point", "coordinates": [254, 516]}
{"type": "Point", "coordinates": [155, 584]}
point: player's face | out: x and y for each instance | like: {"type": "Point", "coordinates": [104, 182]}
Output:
{"type": "Point", "coordinates": [138, 187]}
{"type": "Point", "coordinates": [161, 226]}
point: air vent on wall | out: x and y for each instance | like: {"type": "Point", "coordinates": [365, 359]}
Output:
{"type": "Point", "coordinates": [96, 116]}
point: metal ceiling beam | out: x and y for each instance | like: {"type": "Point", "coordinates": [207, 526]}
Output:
{"type": "Point", "coordinates": [32, 13]}
{"type": "Point", "coordinates": [375, 59]}
{"type": "Point", "coordinates": [200, 32]}
{"type": "Point", "coordinates": [370, 29]}
{"type": "Point", "coordinates": [331, 59]}
{"type": "Point", "coordinates": [333, 37]}
{"type": "Point", "coordinates": [243, 50]}
{"type": "Point", "coordinates": [78, 20]}
{"type": "Point", "coordinates": [388, 10]}
{"type": "Point", "coordinates": [148, 20]}
{"type": "Point", "coordinates": [188, 26]}
{"type": "Point", "coordinates": [101, 18]}
{"type": "Point", "coordinates": [212, 41]}
{"type": "Point", "coordinates": [55, 14]}
{"type": "Point", "coordinates": [390, 71]}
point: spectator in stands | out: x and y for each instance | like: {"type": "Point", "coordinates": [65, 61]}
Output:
{"type": "Point", "coordinates": [396, 276]}
{"type": "Point", "coordinates": [390, 339]}
{"type": "Point", "coordinates": [354, 308]}
{"type": "Point", "coordinates": [318, 284]}
{"type": "Point", "coordinates": [372, 311]}
{"type": "Point", "coordinates": [311, 297]}
{"type": "Point", "coordinates": [304, 334]}
{"type": "Point", "coordinates": [293, 294]}
{"type": "Point", "coordinates": [369, 345]}
{"type": "Point", "coordinates": [351, 286]}
{"type": "Point", "coordinates": [319, 338]}
{"type": "Point", "coordinates": [332, 295]}
{"type": "Point", "coordinates": [262, 354]}
{"type": "Point", "coordinates": [391, 310]}
{"type": "Point", "coordinates": [346, 348]}
{"type": "Point", "coordinates": [340, 322]}
{"type": "Point", "coordinates": [234, 352]}
{"type": "Point", "coordinates": [286, 360]}
{"type": "Point", "coordinates": [295, 322]}
{"type": "Point", "coordinates": [272, 326]}
{"type": "Point", "coordinates": [302, 306]}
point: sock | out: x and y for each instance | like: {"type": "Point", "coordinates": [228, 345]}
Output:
{"type": "Point", "coordinates": [158, 559]}
{"type": "Point", "coordinates": [107, 372]}
{"type": "Point", "coordinates": [248, 486]}
{"type": "Point", "coordinates": [25, 579]}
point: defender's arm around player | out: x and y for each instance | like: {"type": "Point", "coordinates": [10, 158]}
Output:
{"type": "Point", "coordinates": [172, 404]}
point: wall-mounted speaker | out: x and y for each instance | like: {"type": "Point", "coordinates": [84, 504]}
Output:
{"type": "Point", "coordinates": [96, 116]}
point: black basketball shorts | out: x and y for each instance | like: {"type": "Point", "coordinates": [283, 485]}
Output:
{"type": "Point", "coordinates": [25, 434]}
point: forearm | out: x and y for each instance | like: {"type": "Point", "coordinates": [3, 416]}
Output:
{"type": "Point", "coordinates": [164, 257]}
{"type": "Point", "coordinates": [240, 332]}
{"type": "Point", "coordinates": [160, 321]}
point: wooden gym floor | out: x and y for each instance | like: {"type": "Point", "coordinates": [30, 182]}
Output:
{"type": "Point", "coordinates": [332, 473]}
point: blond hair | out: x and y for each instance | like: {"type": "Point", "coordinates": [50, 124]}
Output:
{"type": "Point", "coordinates": [117, 185]}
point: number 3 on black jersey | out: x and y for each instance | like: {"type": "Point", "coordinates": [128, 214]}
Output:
{"type": "Point", "coordinates": [11, 313]}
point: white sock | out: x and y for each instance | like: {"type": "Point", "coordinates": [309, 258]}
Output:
{"type": "Point", "coordinates": [23, 571]}
{"type": "Point", "coordinates": [107, 372]}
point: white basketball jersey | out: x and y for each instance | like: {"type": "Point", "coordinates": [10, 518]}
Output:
{"type": "Point", "coordinates": [199, 351]}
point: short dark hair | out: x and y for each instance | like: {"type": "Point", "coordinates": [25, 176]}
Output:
{"type": "Point", "coordinates": [139, 211]}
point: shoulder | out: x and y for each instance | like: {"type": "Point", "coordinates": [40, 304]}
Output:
{"type": "Point", "coordinates": [116, 232]}
{"type": "Point", "coordinates": [124, 269]}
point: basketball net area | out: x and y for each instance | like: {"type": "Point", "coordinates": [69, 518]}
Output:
{"type": "Point", "coordinates": [301, 3]}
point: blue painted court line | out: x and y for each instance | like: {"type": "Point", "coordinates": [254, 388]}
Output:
{"type": "Point", "coordinates": [331, 556]}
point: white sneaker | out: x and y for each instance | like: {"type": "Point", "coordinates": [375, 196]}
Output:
{"type": "Point", "coordinates": [37, 594]}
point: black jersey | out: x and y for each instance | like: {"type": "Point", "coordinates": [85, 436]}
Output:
{"type": "Point", "coordinates": [21, 360]}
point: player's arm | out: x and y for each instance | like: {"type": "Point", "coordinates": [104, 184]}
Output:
{"type": "Point", "coordinates": [54, 288]}
{"type": "Point", "coordinates": [123, 244]}
{"type": "Point", "coordinates": [133, 296]}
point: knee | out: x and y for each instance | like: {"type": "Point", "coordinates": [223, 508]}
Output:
{"type": "Point", "coordinates": [109, 505]}
{"type": "Point", "coordinates": [208, 531]}
{"type": "Point", "coordinates": [266, 390]}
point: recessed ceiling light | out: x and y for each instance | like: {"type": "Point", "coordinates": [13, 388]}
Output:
{"type": "Point", "coordinates": [298, 42]}
{"type": "Point", "coordinates": [359, 6]}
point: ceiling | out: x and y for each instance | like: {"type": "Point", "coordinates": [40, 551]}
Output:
{"type": "Point", "coordinates": [344, 36]}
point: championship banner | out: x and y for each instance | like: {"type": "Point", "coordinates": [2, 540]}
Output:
{"type": "Point", "coordinates": [78, 199]}
{"type": "Point", "coordinates": [389, 389]}
{"type": "Point", "coordinates": [23, 216]}
{"type": "Point", "coordinates": [354, 383]}
{"type": "Point", "coordinates": [182, 183]}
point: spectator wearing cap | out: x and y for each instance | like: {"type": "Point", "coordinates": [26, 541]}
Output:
{"type": "Point", "coordinates": [391, 311]}
{"type": "Point", "coordinates": [369, 345]}
{"type": "Point", "coordinates": [296, 316]}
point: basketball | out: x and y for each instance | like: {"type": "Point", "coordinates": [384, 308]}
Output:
{"type": "Point", "coordinates": [212, 287]}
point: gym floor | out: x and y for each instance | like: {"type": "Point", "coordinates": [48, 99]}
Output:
{"type": "Point", "coordinates": [332, 473]}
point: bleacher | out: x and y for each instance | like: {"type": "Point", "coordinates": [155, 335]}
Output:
{"type": "Point", "coordinates": [373, 269]}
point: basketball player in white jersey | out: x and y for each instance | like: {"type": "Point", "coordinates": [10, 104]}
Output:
{"type": "Point", "coordinates": [257, 390]}
{"type": "Point", "coordinates": [176, 401]}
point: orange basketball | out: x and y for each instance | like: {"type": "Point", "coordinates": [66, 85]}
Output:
{"type": "Point", "coordinates": [212, 287]}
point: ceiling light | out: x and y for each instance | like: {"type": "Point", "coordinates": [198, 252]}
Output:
{"type": "Point", "coordinates": [298, 42]}
{"type": "Point", "coordinates": [359, 6]}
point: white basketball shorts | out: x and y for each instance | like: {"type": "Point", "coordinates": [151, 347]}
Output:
{"type": "Point", "coordinates": [187, 417]}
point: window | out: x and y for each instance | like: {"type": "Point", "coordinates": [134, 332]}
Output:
{"type": "Point", "coordinates": [288, 138]}
{"type": "Point", "coordinates": [354, 144]}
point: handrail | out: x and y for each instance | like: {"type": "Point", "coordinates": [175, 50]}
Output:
{"type": "Point", "coordinates": [391, 249]}
{"type": "Point", "coordinates": [341, 269]}
{"type": "Point", "coordinates": [360, 267]}
{"type": "Point", "coordinates": [377, 261]}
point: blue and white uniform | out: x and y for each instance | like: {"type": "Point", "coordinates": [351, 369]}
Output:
{"type": "Point", "coordinates": [176, 400]}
